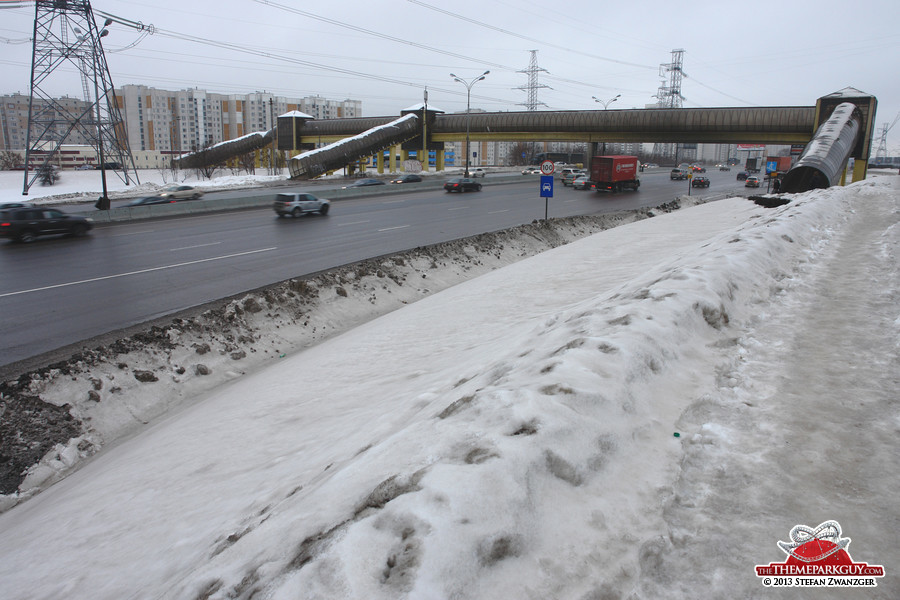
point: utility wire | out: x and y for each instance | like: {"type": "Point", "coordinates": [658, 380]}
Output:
{"type": "Point", "coordinates": [525, 37]}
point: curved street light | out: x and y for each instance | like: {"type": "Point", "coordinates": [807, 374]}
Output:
{"type": "Point", "coordinates": [607, 102]}
{"type": "Point", "coordinates": [468, 85]}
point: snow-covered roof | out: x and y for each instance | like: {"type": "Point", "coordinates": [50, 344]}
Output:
{"type": "Point", "coordinates": [297, 115]}
{"type": "Point", "coordinates": [420, 106]}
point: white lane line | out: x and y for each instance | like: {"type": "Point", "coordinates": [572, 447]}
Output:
{"type": "Point", "coordinates": [393, 228]}
{"type": "Point", "coordinates": [192, 247]}
{"type": "Point", "coordinates": [352, 223]}
{"type": "Point", "coordinates": [495, 212]}
{"type": "Point", "coordinates": [458, 208]}
{"type": "Point", "coordinates": [150, 270]}
{"type": "Point", "coordinates": [133, 233]}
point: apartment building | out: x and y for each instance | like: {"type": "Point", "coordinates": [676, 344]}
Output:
{"type": "Point", "coordinates": [182, 121]}
{"type": "Point", "coordinates": [14, 120]}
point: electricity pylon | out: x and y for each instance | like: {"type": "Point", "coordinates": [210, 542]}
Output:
{"type": "Point", "coordinates": [65, 34]}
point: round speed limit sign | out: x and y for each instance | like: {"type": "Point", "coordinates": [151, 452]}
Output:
{"type": "Point", "coordinates": [547, 167]}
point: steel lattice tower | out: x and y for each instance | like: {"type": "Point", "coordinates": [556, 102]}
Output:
{"type": "Point", "coordinates": [669, 96]}
{"type": "Point", "coordinates": [533, 85]}
{"type": "Point", "coordinates": [65, 34]}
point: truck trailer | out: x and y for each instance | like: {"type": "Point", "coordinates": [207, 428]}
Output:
{"type": "Point", "coordinates": [615, 173]}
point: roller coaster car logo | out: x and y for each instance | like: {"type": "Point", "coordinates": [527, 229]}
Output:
{"type": "Point", "coordinates": [818, 558]}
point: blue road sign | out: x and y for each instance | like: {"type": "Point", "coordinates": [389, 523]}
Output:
{"type": "Point", "coordinates": [771, 166]}
{"type": "Point", "coordinates": [546, 186]}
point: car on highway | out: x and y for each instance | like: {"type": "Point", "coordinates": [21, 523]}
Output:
{"type": "Point", "coordinates": [743, 175]}
{"type": "Point", "coordinates": [462, 184]}
{"type": "Point", "coordinates": [698, 168]}
{"type": "Point", "coordinates": [700, 182]}
{"type": "Point", "coordinates": [408, 178]}
{"type": "Point", "coordinates": [477, 172]}
{"type": "Point", "coordinates": [25, 224]}
{"type": "Point", "coordinates": [151, 200]}
{"type": "Point", "coordinates": [569, 178]}
{"type": "Point", "coordinates": [678, 173]}
{"type": "Point", "coordinates": [84, 168]}
{"type": "Point", "coordinates": [363, 183]}
{"type": "Point", "coordinates": [300, 204]}
{"type": "Point", "coordinates": [582, 183]}
{"type": "Point", "coordinates": [752, 181]}
{"type": "Point", "coordinates": [724, 168]}
{"type": "Point", "coordinates": [531, 171]}
{"type": "Point", "coordinates": [181, 192]}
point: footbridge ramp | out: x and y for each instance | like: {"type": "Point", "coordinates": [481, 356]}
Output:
{"type": "Point", "coordinates": [313, 163]}
{"type": "Point", "coordinates": [221, 152]}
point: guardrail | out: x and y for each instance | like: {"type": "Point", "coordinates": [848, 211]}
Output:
{"type": "Point", "coordinates": [190, 207]}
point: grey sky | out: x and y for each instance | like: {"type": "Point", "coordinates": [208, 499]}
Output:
{"type": "Point", "coordinates": [386, 53]}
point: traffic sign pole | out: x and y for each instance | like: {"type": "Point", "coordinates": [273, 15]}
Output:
{"type": "Point", "coordinates": [547, 168]}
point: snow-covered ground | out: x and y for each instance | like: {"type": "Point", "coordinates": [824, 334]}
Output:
{"type": "Point", "coordinates": [514, 436]}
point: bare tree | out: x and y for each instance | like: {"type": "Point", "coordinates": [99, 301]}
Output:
{"type": "Point", "coordinates": [519, 153]}
{"type": "Point", "coordinates": [9, 160]}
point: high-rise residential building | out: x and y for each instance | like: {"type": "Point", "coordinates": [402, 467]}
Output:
{"type": "Point", "coordinates": [14, 120]}
{"type": "Point", "coordinates": [182, 121]}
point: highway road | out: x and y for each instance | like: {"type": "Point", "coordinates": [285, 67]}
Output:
{"type": "Point", "coordinates": [60, 291]}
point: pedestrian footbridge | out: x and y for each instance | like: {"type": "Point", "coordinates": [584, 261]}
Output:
{"type": "Point", "coordinates": [420, 129]}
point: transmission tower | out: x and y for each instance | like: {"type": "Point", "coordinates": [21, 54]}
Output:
{"type": "Point", "coordinates": [881, 152]}
{"type": "Point", "coordinates": [533, 85]}
{"type": "Point", "coordinates": [669, 96]}
{"type": "Point", "coordinates": [65, 34]}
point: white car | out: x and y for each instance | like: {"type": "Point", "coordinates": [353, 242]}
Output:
{"type": "Point", "coordinates": [477, 172]}
{"type": "Point", "coordinates": [181, 192]}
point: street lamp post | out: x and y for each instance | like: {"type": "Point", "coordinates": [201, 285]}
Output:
{"type": "Point", "coordinates": [605, 105]}
{"type": "Point", "coordinates": [468, 85]}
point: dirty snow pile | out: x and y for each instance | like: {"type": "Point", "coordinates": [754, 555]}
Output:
{"type": "Point", "coordinates": [513, 436]}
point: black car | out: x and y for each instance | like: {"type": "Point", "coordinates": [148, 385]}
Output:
{"type": "Point", "coordinates": [364, 183]}
{"type": "Point", "coordinates": [743, 175]}
{"type": "Point", "coordinates": [408, 178]}
{"type": "Point", "coordinates": [151, 200]}
{"type": "Point", "coordinates": [700, 182]}
{"type": "Point", "coordinates": [462, 185]}
{"type": "Point", "coordinates": [26, 224]}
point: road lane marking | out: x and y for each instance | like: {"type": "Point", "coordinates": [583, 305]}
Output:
{"type": "Point", "coordinates": [150, 270]}
{"type": "Point", "coordinates": [393, 228]}
{"type": "Point", "coordinates": [192, 247]}
{"type": "Point", "coordinates": [352, 223]}
{"type": "Point", "coordinates": [494, 212]}
{"type": "Point", "coordinates": [132, 233]}
{"type": "Point", "coordinates": [458, 208]}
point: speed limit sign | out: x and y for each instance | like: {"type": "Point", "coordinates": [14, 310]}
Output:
{"type": "Point", "coordinates": [547, 167]}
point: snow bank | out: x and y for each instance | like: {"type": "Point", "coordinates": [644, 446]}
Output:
{"type": "Point", "coordinates": [514, 435]}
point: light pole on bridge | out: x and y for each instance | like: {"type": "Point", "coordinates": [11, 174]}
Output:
{"type": "Point", "coordinates": [468, 85]}
{"type": "Point", "coordinates": [605, 106]}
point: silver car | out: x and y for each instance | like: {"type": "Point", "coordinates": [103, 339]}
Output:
{"type": "Point", "coordinates": [181, 192]}
{"type": "Point", "coordinates": [299, 204]}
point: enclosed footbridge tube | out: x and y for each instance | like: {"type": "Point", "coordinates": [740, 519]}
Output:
{"type": "Point", "coordinates": [823, 162]}
{"type": "Point", "coordinates": [221, 152]}
{"type": "Point", "coordinates": [341, 153]}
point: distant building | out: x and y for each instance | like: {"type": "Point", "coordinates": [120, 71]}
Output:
{"type": "Point", "coordinates": [160, 123]}
{"type": "Point", "coordinates": [14, 120]}
{"type": "Point", "coordinates": [186, 120]}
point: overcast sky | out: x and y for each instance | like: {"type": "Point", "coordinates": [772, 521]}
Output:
{"type": "Point", "coordinates": [386, 53]}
